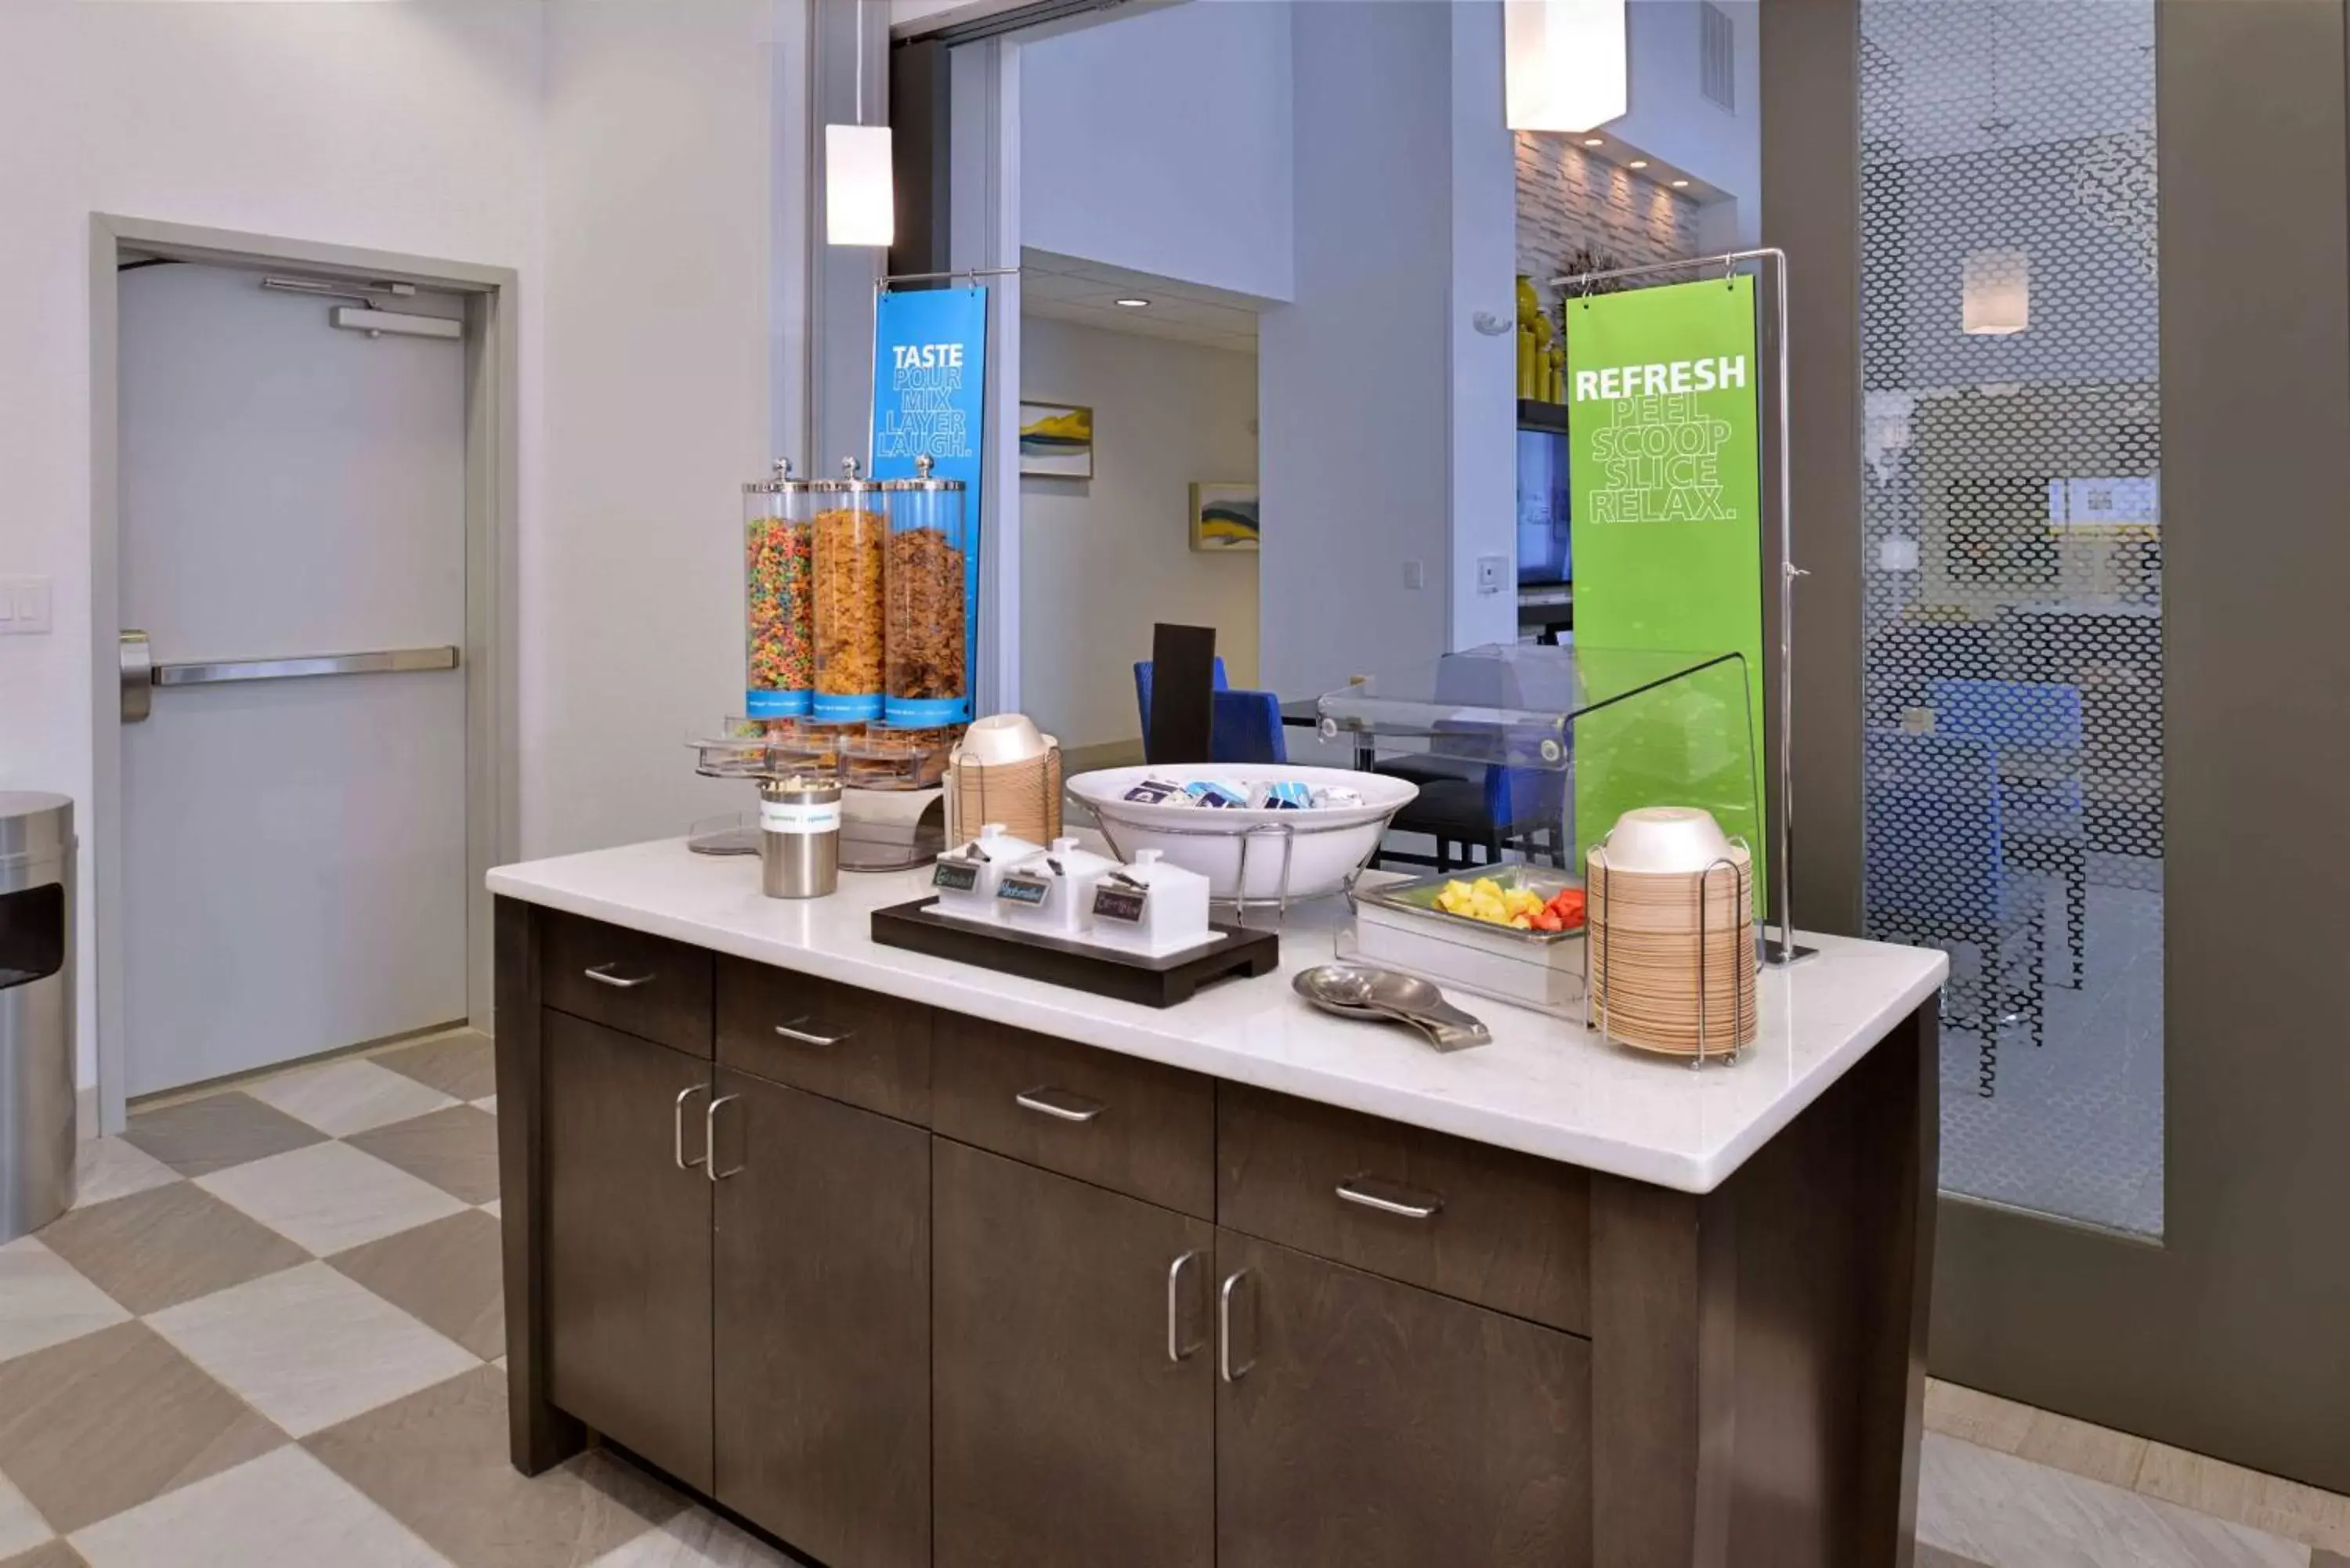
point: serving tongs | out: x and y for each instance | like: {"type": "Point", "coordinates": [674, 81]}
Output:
{"type": "Point", "coordinates": [1353, 991]}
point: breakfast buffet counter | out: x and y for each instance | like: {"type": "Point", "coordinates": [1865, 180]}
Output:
{"type": "Point", "coordinates": [908, 1262]}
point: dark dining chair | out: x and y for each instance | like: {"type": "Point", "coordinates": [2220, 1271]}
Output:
{"type": "Point", "coordinates": [1244, 726]}
{"type": "Point", "coordinates": [2034, 729]}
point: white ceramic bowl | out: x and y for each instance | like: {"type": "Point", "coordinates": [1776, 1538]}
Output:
{"type": "Point", "coordinates": [1002, 738]}
{"type": "Point", "coordinates": [1672, 839]}
{"type": "Point", "coordinates": [1326, 844]}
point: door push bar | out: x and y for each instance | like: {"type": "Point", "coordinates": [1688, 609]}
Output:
{"type": "Point", "coordinates": [142, 674]}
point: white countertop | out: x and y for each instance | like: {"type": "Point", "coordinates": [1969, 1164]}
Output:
{"type": "Point", "coordinates": [1544, 1086]}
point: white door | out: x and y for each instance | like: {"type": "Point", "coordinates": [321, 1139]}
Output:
{"type": "Point", "coordinates": [294, 870]}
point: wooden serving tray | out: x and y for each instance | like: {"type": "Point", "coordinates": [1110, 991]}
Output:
{"type": "Point", "coordinates": [1161, 981]}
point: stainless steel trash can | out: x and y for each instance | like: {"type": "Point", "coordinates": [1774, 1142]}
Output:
{"type": "Point", "coordinates": [36, 1010]}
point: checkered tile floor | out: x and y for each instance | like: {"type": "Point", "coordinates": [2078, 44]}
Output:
{"type": "Point", "coordinates": [271, 1333]}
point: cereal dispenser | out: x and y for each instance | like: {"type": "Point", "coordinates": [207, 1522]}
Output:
{"type": "Point", "coordinates": [849, 545]}
{"type": "Point", "coordinates": [777, 601]}
{"type": "Point", "coordinates": [927, 679]}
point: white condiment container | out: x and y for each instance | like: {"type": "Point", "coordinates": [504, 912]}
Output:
{"type": "Point", "coordinates": [1053, 892]}
{"type": "Point", "coordinates": [1152, 906]}
{"type": "Point", "coordinates": [965, 876]}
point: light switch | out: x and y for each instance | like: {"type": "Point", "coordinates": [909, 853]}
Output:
{"type": "Point", "coordinates": [1415, 575]}
{"type": "Point", "coordinates": [1492, 573]}
{"type": "Point", "coordinates": [28, 600]}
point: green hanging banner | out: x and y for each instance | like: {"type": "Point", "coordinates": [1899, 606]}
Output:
{"type": "Point", "coordinates": [1664, 432]}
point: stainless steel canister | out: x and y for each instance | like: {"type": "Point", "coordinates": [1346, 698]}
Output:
{"type": "Point", "coordinates": [799, 837]}
{"type": "Point", "coordinates": [36, 1010]}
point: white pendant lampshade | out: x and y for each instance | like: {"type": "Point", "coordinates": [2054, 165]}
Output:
{"type": "Point", "coordinates": [1995, 293]}
{"type": "Point", "coordinates": [860, 200]}
{"type": "Point", "coordinates": [1566, 67]}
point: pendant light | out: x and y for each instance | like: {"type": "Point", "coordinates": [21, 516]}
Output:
{"type": "Point", "coordinates": [1566, 66]}
{"type": "Point", "coordinates": [1995, 283]}
{"type": "Point", "coordinates": [860, 197]}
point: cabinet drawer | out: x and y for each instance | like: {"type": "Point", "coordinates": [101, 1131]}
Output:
{"type": "Point", "coordinates": [647, 986]}
{"type": "Point", "coordinates": [1133, 1127]}
{"type": "Point", "coordinates": [856, 1046]}
{"type": "Point", "coordinates": [1503, 1229]}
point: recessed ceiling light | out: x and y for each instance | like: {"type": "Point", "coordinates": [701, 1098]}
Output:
{"type": "Point", "coordinates": [1681, 184]}
{"type": "Point", "coordinates": [1638, 163]}
{"type": "Point", "coordinates": [1594, 141]}
{"type": "Point", "coordinates": [1133, 302]}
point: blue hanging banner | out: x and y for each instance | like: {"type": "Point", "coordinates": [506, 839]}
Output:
{"type": "Point", "coordinates": [929, 399]}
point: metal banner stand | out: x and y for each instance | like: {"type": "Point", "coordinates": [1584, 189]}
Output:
{"type": "Point", "coordinates": [1783, 950]}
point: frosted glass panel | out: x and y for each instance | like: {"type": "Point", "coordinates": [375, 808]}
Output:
{"type": "Point", "coordinates": [2012, 553]}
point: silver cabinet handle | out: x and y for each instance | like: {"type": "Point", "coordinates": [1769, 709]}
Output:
{"type": "Point", "coordinates": [1230, 1373]}
{"type": "Point", "coordinates": [602, 975]}
{"type": "Point", "coordinates": [709, 1140]}
{"type": "Point", "coordinates": [1058, 1103]}
{"type": "Point", "coordinates": [790, 1031]}
{"type": "Point", "coordinates": [1388, 1198]}
{"type": "Point", "coordinates": [1176, 1349]}
{"type": "Point", "coordinates": [676, 1130]}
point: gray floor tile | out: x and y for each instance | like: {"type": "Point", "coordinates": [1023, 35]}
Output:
{"type": "Point", "coordinates": [56, 1554]}
{"type": "Point", "coordinates": [463, 1065]}
{"type": "Point", "coordinates": [167, 1245]}
{"type": "Point", "coordinates": [446, 1275]}
{"type": "Point", "coordinates": [196, 1138]}
{"type": "Point", "coordinates": [456, 1149]}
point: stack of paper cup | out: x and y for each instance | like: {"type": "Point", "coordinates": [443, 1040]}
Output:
{"type": "Point", "coordinates": [1005, 770]}
{"type": "Point", "coordinates": [1671, 936]}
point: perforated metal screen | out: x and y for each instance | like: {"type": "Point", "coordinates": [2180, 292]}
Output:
{"type": "Point", "coordinates": [2012, 672]}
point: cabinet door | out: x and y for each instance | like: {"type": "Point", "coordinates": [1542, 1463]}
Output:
{"type": "Point", "coordinates": [822, 1286]}
{"type": "Point", "coordinates": [1066, 1436]}
{"type": "Point", "coordinates": [627, 1242]}
{"type": "Point", "coordinates": [1366, 1424]}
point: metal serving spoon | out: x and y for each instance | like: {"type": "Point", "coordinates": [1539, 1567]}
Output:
{"type": "Point", "coordinates": [1382, 993]}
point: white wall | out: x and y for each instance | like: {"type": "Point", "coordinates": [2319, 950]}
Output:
{"type": "Point", "coordinates": [1161, 141]}
{"type": "Point", "coordinates": [1102, 559]}
{"type": "Point", "coordinates": [507, 132]}
{"type": "Point", "coordinates": [659, 257]}
{"type": "Point", "coordinates": [1482, 379]}
{"type": "Point", "coordinates": [1671, 119]}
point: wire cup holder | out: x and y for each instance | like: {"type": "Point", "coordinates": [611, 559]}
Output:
{"type": "Point", "coordinates": [1594, 863]}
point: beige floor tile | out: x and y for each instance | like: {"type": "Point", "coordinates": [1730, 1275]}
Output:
{"type": "Point", "coordinates": [196, 1136]}
{"type": "Point", "coordinates": [446, 1275]}
{"type": "Point", "coordinates": [108, 1421]}
{"type": "Point", "coordinates": [456, 1149]}
{"type": "Point", "coordinates": [2008, 1513]}
{"type": "Point", "coordinates": [167, 1245]}
{"type": "Point", "coordinates": [1935, 1557]}
{"type": "Point", "coordinates": [488, 1103]}
{"type": "Point", "coordinates": [331, 1196]}
{"type": "Point", "coordinates": [699, 1539]}
{"type": "Point", "coordinates": [1984, 1420]}
{"type": "Point", "coordinates": [107, 1167]}
{"type": "Point", "coordinates": [2082, 1450]}
{"type": "Point", "coordinates": [343, 1098]}
{"type": "Point", "coordinates": [282, 1511]}
{"type": "Point", "coordinates": [310, 1348]}
{"type": "Point", "coordinates": [45, 1301]}
{"type": "Point", "coordinates": [22, 1527]}
{"type": "Point", "coordinates": [56, 1554]}
{"type": "Point", "coordinates": [2232, 1491]}
{"type": "Point", "coordinates": [495, 1209]}
{"type": "Point", "coordinates": [437, 1460]}
{"type": "Point", "coordinates": [463, 1066]}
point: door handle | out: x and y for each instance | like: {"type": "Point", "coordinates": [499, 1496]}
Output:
{"type": "Point", "coordinates": [676, 1130]}
{"type": "Point", "coordinates": [1390, 1197]}
{"type": "Point", "coordinates": [137, 658]}
{"type": "Point", "coordinates": [709, 1140]}
{"type": "Point", "coordinates": [1058, 1103]}
{"type": "Point", "coordinates": [1230, 1373]}
{"type": "Point", "coordinates": [789, 1032]}
{"type": "Point", "coordinates": [602, 975]}
{"type": "Point", "coordinates": [1176, 1349]}
{"type": "Point", "coordinates": [382, 662]}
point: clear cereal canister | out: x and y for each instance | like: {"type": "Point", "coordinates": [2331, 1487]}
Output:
{"type": "Point", "coordinates": [927, 641]}
{"type": "Point", "coordinates": [777, 603]}
{"type": "Point", "coordinates": [849, 545]}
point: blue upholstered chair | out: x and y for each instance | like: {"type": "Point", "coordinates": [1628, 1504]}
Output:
{"type": "Point", "coordinates": [1243, 726]}
{"type": "Point", "coordinates": [2035, 730]}
{"type": "Point", "coordinates": [1935, 875]}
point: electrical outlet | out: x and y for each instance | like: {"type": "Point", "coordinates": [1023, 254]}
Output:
{"type": "Point", "coordinates": [1415, 575]}
{"type": "Point", "coordinates": [26, 602]}
{"type": "Point", "coordinates": [1493, 572]}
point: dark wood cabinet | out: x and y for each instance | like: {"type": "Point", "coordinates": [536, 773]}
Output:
{"type": "Point", "coordinates": [627, 1253]}
{"type": "Point", "coordinates": [1363, 1423]}
{"type": "Point", "coordinates": [822, 1298]}
{"type": "Point", "coordinates": [846, 1044]}
{"type": "Point", "coordinates": [1067, 1435]}
{"type": "Point", "coordinates": [642, 985]}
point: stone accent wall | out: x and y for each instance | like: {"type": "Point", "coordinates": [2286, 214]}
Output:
{"type": "Point", "coordinates": [1567, 199]}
